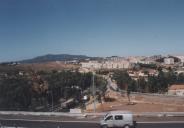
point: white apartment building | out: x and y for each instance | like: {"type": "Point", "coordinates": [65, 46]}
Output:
{"type": "Point", "coordinates": [169, 61]}
{"type": "Point", "coordinates": [146, 62]}
{"type": "Point", "coordinates": [134, 59]}
{"type": "Point", "coordinates": [181, 58]}
{"type": "Point", "coordinates": [91, 64]}
{"type": "Point", "coordinates": [141, 59]}
{"type": "Point", "coordinates": [116, 64]}
{"type": "Point", "coordinates": [106, 64]}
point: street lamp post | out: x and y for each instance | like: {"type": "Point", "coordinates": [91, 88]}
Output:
{"type": "Point", "coordinates": [51, 99]}
{"type": "Point", "coordinates": [94, 93]}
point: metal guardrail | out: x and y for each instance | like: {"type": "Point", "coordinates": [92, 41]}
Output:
{"type": "Point", "coordinates": [42, 113]}
{"type": "Point", "coordinates": [160, 114]}
{"type": "Point", "coordinates": [143, 114]}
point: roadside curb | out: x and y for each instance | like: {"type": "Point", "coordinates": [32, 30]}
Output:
{"type": "Point", "coordinates": [144, 114]}
{"type": "Point", "coordinates": [160, 114]}
{"type": "Point", "coordinates": [42, 113]}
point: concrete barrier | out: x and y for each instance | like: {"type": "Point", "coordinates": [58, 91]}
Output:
{"type": "Point", "coordinates": [160, 114]}
{"type": "Point", "coordinates": [41, 113]}
{"type": "Point", "coordinates": [76, 111]}
{"type": "Point", "coordinates": [144, 114]}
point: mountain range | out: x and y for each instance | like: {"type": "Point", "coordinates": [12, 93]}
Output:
{"type": "Point", "coordinates": [57, 57]}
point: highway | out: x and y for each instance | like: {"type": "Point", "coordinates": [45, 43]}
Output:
{"type": "Point", "coordinates": [84, 124]}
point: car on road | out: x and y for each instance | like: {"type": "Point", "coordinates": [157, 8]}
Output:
{"type": "Point", "coordinates": [118, 119]}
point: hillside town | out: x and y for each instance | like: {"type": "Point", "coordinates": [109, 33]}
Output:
{"type": "Point", "coordinates": [49, 86]}
{"type": "Point", "coordinates": [140, 67]}
{"type": "Point", "coordinates": [176, 63]}
{"type": "Point", "coordinates": [116, 62]}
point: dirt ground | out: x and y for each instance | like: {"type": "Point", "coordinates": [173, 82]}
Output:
{"type": "Point", "coordinates": [137, 107]}
{"type": "Point", "coordinates": [140, 104]}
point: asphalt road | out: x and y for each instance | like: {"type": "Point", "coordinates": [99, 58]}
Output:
{"type": "Point", "coordinates": [48, 124]}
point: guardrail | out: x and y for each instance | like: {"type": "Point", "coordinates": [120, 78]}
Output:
{"type": "Point", "coordinates": [143, 114]}
{"type": "Point", "coordinates": [161, 114]}
{"type": "Point", "coordinates": [42, 113]}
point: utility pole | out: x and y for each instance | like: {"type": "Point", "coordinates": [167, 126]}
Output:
{"type": "Point", "coordinates": [52, 101]}
{"type": "Point", "coordinates": [94, 93]}
{"type": "Point", "coordinates": [50, 93]}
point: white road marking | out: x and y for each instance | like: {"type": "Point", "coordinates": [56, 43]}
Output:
{"type": "Point", "coordinates": [161, 122]}
{"type": "Point", "coordinates": [12, 127]}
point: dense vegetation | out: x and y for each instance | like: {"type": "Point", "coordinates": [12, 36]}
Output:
{"type": "Point", "coordinates": [150, 66]}
{"type": "Point", "coordinates": [15, 93]}
{"type": "Point", "coordinates": [36, 91]}
{"type": "Point", "coordinates": [153, 84]}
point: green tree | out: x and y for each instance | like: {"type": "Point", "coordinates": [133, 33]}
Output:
{"type": "Point", "coordinates": [180, 78]}
{"type": "Point", "coordinates": [68, 84]}
{"type": "Point", "coordinates": [162, 82]}
{"type": "Point", "coordinates": [122, 78]}
{"type": "Point", "coordinates": [133, 86]}
{"type": "Point", "coordinates": [152, 84]}
{"type": "Point", "coordinates": [15, 93]}
{"type": "Point", "coordinates": [171, 77]}
{"type": "Point", "coordinates": [142, 84]}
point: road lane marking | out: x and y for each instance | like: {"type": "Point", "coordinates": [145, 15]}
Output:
{"type": "Point", "coordinates": [161, 122]}
{"type": "Point", "coordinates": [11, 127]}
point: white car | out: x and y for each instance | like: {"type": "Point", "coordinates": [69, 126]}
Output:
{"type": "Point", "coordinates": [118, 119]}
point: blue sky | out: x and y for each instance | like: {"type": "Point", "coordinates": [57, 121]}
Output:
{"type": "Point", "coordinates": [29, 28]}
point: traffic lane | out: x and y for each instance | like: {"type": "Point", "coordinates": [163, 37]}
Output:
{"type": "Point", "coordinates": [160, 125]}
{"type": "Point", "coordinates": [88, 118]}
{"type": "Point", "coordinates": [47, 124]}
{"type": "Point", "coordinates": [141, 125]}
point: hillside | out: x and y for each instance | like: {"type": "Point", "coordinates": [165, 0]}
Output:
{"type": "Point", "coordinates": [57, 57]}
{"type": "Point", "coordinates": [47, 66]}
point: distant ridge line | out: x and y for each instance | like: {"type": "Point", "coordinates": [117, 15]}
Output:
{"type": "Point", "coordinates": [56, 57]}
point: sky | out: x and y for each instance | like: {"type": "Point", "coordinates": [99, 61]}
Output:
{"type": "Point", "coordinates": [30, 28]}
